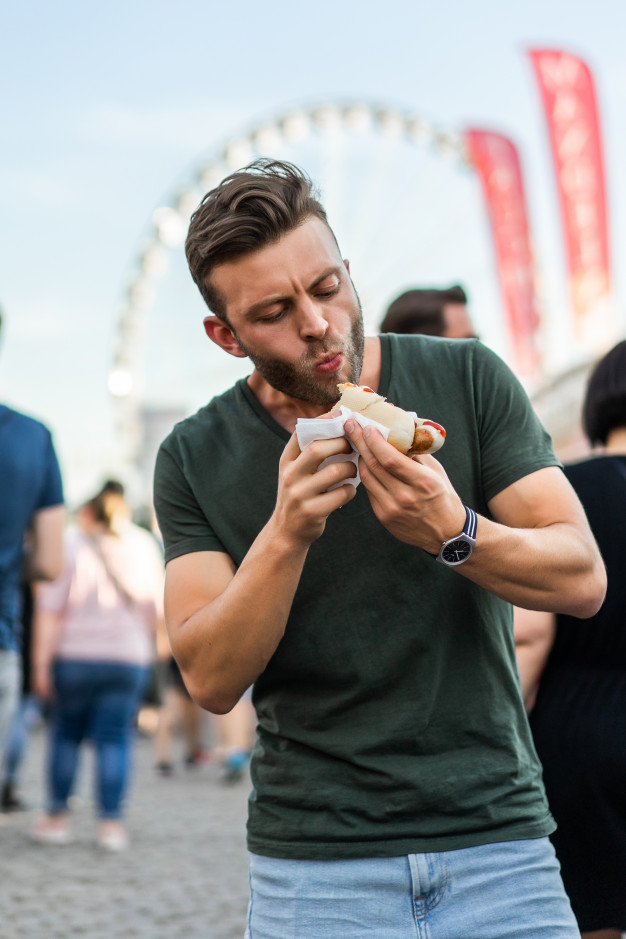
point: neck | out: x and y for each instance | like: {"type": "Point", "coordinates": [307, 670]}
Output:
{"type": "Point", "coordinates": [286, 410]}
{"type": "Point", "coordinates": [616, 441]}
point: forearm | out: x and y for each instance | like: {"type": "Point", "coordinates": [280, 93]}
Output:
{"type": "Point", "coordinates": [551, 568]}
{"type": "Point", "coordinates": [45, 642]}
{"type": "Point", "coordinates": [224, 645]}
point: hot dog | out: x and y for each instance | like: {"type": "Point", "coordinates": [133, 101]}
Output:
{"type": "Point", "coordinates": [408, 434]}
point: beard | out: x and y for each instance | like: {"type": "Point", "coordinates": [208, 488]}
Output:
{"type": "Point", "coordinates": [299, 380]}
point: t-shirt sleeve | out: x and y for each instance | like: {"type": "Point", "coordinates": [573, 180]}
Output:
{"type": "Point", "coordinates": [513, 441]}
{"type": "Point", "coordinates": [51, 491]}
{"type": "Point", "coordinates": [184, 526]}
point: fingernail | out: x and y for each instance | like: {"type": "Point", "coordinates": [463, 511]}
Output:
{"type": "Point", "coordinates": [367, 430]}
{"type": "Point", "coordinates": [349, 426]}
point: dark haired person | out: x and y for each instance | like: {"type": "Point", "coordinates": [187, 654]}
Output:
{"type": "Point", "coordinates": [430, 311]}
{"type": "Point", "coordinates": [394, 776]}
{"type": "Point", "coordinates": [32, 515]}
{"type": "Point", "coordinates": [579, 717]}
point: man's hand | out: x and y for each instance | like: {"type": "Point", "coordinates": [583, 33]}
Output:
{"type": "Point", "coordinates": [304, 503]}
{"type": "Point", "coordinates": [412, 498]}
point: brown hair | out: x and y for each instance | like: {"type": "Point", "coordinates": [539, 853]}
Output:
{"type": "Point", "coordinates": [107, 504]}
{"type": "Point", "coordinates": [421, 310]}
{"type": "Point", "coordinates": [248, 210]}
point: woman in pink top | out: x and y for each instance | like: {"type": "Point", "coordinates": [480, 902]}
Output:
{"type": "Point", "coordinates": [95, 633]}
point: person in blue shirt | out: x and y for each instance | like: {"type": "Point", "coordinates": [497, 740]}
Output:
{"type": "Point", "coordinates": [32, 519]}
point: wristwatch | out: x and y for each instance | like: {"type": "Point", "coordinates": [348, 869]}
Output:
{"type": "Point", "coordinates": [456, 550]}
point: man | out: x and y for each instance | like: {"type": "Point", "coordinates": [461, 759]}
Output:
{"type": "Point", "coordinates": [395, 784]}
{"type": "Point", "coordinates": [32, 518]}
{"type": "Point", "coordinates": [430, 312]}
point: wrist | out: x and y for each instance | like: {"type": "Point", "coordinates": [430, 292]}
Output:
{"type": "Point", "coordinates": [458, 549]}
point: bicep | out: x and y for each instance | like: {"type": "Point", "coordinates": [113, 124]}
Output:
{"type": "Point", "coordinates": [539, 500]}
{"type": "Point", "coordinates": [192, 581]}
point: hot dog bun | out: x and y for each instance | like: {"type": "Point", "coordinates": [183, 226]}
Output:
{"type": "Point", "coordinates": [406, 434]}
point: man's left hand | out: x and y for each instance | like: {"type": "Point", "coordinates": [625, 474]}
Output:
{"type": "Point", "coordinates": [412, 497]}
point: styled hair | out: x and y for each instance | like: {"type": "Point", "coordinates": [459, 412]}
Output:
{"type": "Point", "coordinates": [421, 310]}
{"type": "Point", "coordinates": [604, 407]}
{"type": "Point", "coordinates": [248, 210]}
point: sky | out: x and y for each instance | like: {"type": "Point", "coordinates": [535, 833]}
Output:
{"type": "Point", "coordinates": [109, 111]}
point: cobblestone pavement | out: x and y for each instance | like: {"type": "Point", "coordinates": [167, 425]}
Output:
{"type": "Point", "coordinates": [185, 873]}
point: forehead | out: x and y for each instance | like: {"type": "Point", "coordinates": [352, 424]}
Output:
{"type": "Point", "coordinates": [291, 264]}
{"type": "Point", "coordinates": [457, 316]}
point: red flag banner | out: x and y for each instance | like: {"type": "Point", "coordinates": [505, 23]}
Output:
{"type": "Point", "coordinates": [569, 101]}
{"type": "Point", "coordinates": [497, 162]}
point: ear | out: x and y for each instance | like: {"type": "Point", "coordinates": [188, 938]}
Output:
{"type": "Point", "coordinates": [223, 336]}
{"type": "Point", "coordinates": [346, 264]}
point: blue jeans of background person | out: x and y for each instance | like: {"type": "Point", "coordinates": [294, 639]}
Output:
{"type": "Point", "coordinates": [10, 678]}
{"type": "Point", "coordinates": [96, 701]}
{"type": "Point", "coordinates": [508, 890]}
{"type": "Point", "coordinates": [25, 716]}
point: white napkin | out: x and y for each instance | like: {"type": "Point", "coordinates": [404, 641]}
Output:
{"type": "Point", "coordinates": [309, 429]}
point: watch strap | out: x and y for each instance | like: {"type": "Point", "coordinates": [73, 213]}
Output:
{"type": "Point", "coordinates": [469, 529]}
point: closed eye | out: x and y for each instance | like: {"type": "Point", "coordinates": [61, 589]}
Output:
{"type": "Point", "coordinates": [274, 317]}
{"type": "Point", "coordinates": [328, 293]}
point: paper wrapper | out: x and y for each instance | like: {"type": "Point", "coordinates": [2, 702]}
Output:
{"type": "Point", "coordinates": [309, 429]}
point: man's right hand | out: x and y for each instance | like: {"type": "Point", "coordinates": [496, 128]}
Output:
{"type": "Point", "coordinates": [304, 501]}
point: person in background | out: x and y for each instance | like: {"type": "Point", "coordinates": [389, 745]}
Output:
{"type": "Point", "coordinates": [394, 774]}
{"type": "Point", "coordinates": [232, 734]}
{"type": "Point", "coordinates": [32, 519]}
{"type": "Point", "coordinates": [25, 715]}
{"type": "Point", "coordinates": [234, 739]}
{"type": "Point", "coordinates": [94, 641]}
{"type": "Point", "coordinates": [579, 716]}
{"type": "Point", "coordinates": [177, 712]}
{"type": "Point", "coordinates": [429, 311]}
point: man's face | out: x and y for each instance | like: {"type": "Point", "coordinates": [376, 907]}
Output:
{"type": "Point", "coordinates": [293, 310]}
{"type": "Point", "coordinates": [458, 324]}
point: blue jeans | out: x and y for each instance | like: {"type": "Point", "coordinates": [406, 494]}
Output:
{"type": "Point", "coordinates": [508, 890]}
{"type": "Point", "coordinates": [95, 701]}
{"type": "Point", "coordinates": [10, 678]}
{"type": "Point", "coordinates": [26, 714]}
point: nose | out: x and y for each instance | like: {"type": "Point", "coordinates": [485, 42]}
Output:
{"type": "Point", "coordinates": [312, 322]}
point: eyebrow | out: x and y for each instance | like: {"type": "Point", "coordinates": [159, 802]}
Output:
{"type": "Point", "coordinates": [279, 298]}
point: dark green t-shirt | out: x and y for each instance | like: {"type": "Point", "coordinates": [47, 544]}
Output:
{"type": "Point", "coordinates": [390, 719]}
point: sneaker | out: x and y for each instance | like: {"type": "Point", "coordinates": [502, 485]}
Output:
{"type": "Point", "coordinates": [113, 839]}
{"type": "Point", "coordinates": [164, 769]}
{"type": "Point", "coordinates": [51, 831]}
{"type": "Point", "coordinates": [233, 767]}
{"type": "Point", "coordinates": [197, 758]}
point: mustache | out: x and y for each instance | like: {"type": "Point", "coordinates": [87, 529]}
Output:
{"type": "Point", "coordinates": [321, 349]}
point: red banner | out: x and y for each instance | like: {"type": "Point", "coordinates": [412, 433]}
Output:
{"type": "Point", "coordinates": [569, 101]}
{"type": "Point", "coordinates": [498, 165]}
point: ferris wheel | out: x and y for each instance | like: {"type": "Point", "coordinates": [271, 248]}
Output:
{"type": "Point", "coordinates": [405, 206]}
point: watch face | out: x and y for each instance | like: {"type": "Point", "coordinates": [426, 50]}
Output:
{"type": "Point", "coordinates": [456, 551]}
